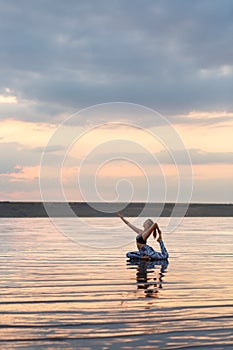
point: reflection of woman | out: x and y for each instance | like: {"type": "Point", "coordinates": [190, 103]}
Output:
{"type": "Point", "coordinates": [144, 250]}
{"type": "Point", "coordinates": [149, 284]}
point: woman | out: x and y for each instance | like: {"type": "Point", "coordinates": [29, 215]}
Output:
{"type": "Point", "coordinates": [145, 251]}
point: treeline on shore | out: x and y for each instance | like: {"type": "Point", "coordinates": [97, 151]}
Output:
{"type": "Point", "coordinates": [81, 209]}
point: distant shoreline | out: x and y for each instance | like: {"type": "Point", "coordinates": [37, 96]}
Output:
{"type": "Point", "coordinates": [82, 209]}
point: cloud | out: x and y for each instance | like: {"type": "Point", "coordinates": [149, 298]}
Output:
{"type": "Point", "coordinates": [57, 57]}
{"type": "Point", "coordinates": [197, 157]}
{"type": "Point", "coordinates": [179, 157]}
{"type": "Point", "coordinates": [204, 118]}
{"type": "Point", "coordinates": [15, 156]}
{"type": "Point", "coordinates": [11, 186]}
{"type": "Point", "coordinates": [19, 170]}
{"type": "Point", "coordinates": [165, 55]}
{"type": "Point", "coordinates": [213, 190]}
{"type": "Point", "coordinates": [48, 149]}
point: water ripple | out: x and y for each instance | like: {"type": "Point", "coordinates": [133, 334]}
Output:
{"type": "Point", "coordinates": [56, 294]}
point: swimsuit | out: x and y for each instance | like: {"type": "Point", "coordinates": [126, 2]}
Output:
{"type": "Point", "coordinates": [139, 239]}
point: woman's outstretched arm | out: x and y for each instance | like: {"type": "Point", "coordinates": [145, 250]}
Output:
{"type": "Point", "coordinates": [137, 230]}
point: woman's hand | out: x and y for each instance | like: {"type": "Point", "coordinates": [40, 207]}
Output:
{"type": "Point", "coordinates": [134, 228]}
{"type": "Point", "coordinates": [120, 215]}
{"type": "Point", "coordinates": [159, 232]}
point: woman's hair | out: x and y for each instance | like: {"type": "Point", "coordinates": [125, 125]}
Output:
{"type": "Point", "coordinates": [150, 222]}
{"type": "Point", "coordinates": [155, 233]}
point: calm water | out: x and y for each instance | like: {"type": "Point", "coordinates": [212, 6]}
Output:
{"type": "Point", "coordinates": [59, 294]}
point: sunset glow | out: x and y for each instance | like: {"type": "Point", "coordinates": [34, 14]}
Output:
{"type": "Point", "coordinates": [188, 82]}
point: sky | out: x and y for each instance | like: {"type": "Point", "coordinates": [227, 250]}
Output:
{"type": "Point", "coordinates": [116, 100]}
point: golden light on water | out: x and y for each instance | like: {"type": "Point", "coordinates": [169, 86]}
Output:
{"type": "Point", "coordinates": [58, 289]}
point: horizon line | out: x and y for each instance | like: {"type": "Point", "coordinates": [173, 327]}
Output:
{"type": "Point", "coordinates": [110, 202]}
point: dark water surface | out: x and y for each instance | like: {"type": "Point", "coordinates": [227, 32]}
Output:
{"type": "Point", "coordinates": [58, 294]}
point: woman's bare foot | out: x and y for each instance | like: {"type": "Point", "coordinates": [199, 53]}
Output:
{"type": "Point", "coordinates": [146, 257]}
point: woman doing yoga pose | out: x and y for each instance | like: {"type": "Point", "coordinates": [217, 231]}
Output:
{"type": "Point", "coordinates": [145, 251]}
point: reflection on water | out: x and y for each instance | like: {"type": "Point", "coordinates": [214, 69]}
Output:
{"type": "Point", "coordinates": [56, 294]}
{"type": "Point", "coordinates": [148, 278]}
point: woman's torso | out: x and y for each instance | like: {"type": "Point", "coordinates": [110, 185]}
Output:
{"type": "Point", "coordinates": [140, 241]}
